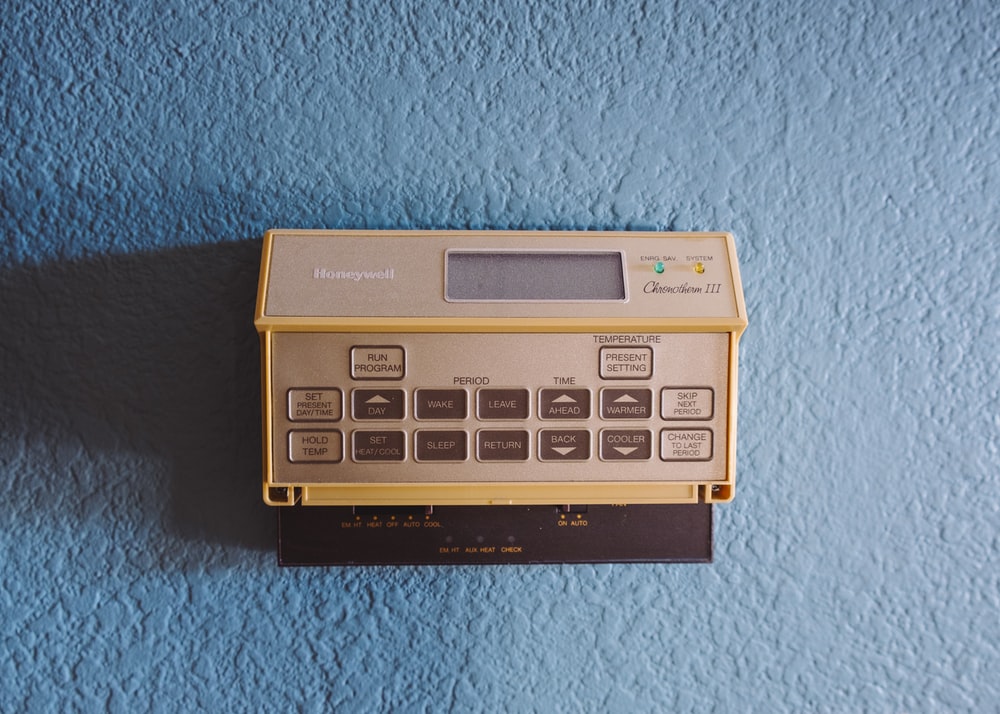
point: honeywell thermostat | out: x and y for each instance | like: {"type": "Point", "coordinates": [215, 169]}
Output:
{"type": "Point", "coordinates": [418, 383]}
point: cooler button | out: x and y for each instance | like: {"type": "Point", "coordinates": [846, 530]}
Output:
{"type": "Point", "coordinates": [626, 444]}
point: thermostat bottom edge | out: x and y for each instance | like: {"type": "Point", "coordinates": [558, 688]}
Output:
{"type": "Point", "coordinates": [485, 535]}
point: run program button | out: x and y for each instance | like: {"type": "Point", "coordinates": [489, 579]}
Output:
{"type": "Point", "coordinates": [377, 362]}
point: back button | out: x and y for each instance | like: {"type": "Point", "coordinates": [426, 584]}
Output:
{"type": "Point", "coordinates": [563, 445]}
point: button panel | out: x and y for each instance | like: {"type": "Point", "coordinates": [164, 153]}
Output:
{"type": "Point", "coordinates": [482, 411]}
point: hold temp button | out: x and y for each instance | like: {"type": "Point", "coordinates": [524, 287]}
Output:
{"type": "Point", "coordinates": [315, 446]}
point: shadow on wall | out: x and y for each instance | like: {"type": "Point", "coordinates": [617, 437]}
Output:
{"type": "Point", "coordinates": [138, 374]}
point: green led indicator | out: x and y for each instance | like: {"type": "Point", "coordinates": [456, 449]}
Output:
{"type": "Point", "coordinates": [659, 268]}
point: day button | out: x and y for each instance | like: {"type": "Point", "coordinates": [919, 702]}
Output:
{"type": "Point", "coordinates": [378, 404]}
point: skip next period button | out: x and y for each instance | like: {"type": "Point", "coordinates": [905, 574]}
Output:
{"type": "Point", "coordinates": [626, 362]}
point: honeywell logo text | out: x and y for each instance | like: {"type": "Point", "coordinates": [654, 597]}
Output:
{"type": "Point", "coordinates": [355, 275]}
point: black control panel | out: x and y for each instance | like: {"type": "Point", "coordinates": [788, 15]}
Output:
{"type": "Point", "coordinates": [465, 535]}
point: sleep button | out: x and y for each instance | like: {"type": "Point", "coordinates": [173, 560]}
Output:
{"type": "Point", "coordinates": [436, 445]}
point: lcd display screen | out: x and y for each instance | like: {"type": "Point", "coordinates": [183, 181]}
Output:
{"type": "Point", "coordinates": [491, 276]}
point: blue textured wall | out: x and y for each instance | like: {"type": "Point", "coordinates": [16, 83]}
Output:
{"type": "Point", "coordinates": [852, 148]}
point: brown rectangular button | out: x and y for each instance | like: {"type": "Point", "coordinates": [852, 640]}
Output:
{"type": "Point", "coordinates": [625, 403]}
{"type": "Point", "coordinates": [626, 444]}
{"type": "Point", "coordinates": [379, 445]}
{"type": "Point", "coordinates": [502, 445]}
{"type": "Point", "coordinates": [502, 404]}
{"type": "Point", "coordinates": [563, 445]}
{"type": "Point", "coordinates": [440, 445]}
{"type": "Point", "coordinates": [442, 404]}
{"type": "Point", "coordinates": [564, 404]}
{"type": "Point", "coordinates": [378, 404]}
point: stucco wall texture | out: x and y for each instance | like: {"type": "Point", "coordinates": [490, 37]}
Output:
{"type": "Point", "coordinates": [852, 148]}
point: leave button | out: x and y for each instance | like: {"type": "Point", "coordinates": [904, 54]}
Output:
{"type": "Point", "coordinates": [502, 404]}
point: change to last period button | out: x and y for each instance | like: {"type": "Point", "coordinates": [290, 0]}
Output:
{"type": "Point", "coordinates": [686, 444]}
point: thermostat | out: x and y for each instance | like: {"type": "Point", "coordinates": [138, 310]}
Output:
{"type": "Point", "coordinates": [425, 369]}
